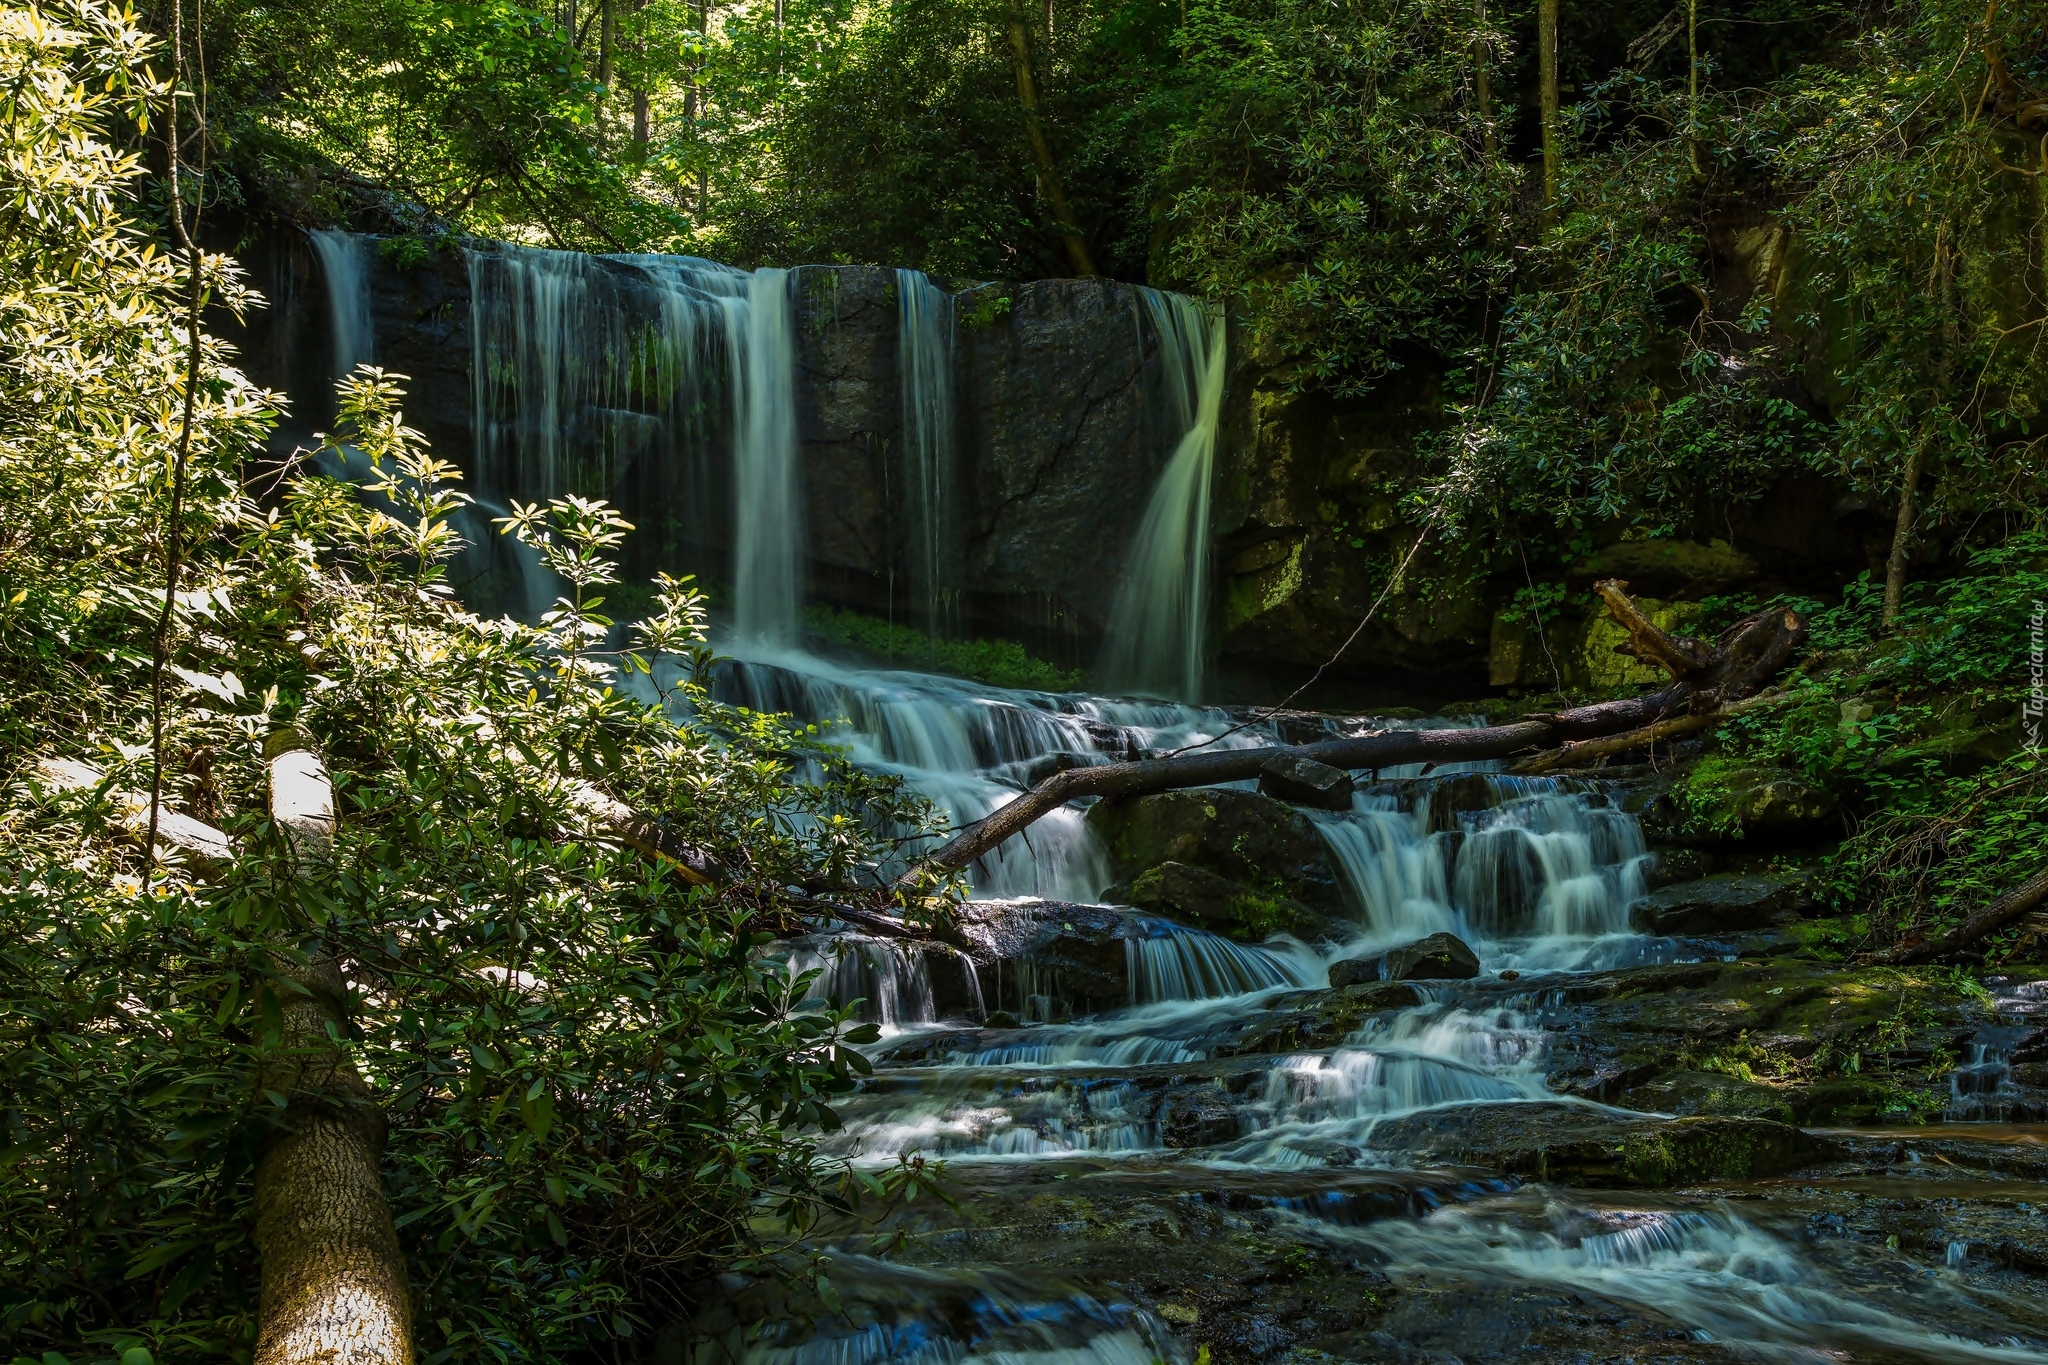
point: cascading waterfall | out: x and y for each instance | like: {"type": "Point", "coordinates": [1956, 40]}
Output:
{"type": "Point", "coordinates": [924, 351]}
{"type": "Point", "coordinates": [1158, 628]}
{"type": "Point", "coordinates": [769, 557]}
{"type": "Point", "coordinates": [345, 262]}
{"type": "Point", "coordinates": [581, 364]}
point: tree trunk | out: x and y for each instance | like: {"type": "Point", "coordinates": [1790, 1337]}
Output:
{"type": "Point", "coordinates": [1706, 679]}
{"type": "Point", "coordinates": [1902, 538]}
{"type": "Point", "coordinates": [1483, 85]}
{"type": "Point", "coordinates": [1041, 149]}
{"type": "Point", "coordinates": [334, 1288]}
{"type": "Point", "coordinates": [1546, 61]}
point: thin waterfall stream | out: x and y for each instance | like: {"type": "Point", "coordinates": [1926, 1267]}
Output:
{"type": "Point", "coordinates": [1125, 1098]}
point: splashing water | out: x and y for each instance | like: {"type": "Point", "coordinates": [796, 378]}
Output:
{"type": "Point", "coordinates": [1728, 1279]}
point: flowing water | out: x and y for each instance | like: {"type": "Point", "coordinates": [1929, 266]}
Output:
{"type": "Point", "coordinates": [1120, 1054]}
{"type": "Point", "coordinates": [1158, 628]}
{"type": "Point", "coordinates": [345, 262]}
{"type": "Point", "coordinates": [925, 316]}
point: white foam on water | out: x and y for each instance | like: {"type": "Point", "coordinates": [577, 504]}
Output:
{"type": "Point", "coordinates": [1712, 1270]}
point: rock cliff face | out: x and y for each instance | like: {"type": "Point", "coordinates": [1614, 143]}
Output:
{"type": "Point", "coordinates": [1061, 426]}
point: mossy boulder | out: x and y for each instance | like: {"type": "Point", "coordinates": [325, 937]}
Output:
{"type": "Point", "coordinates": [1687, 1093]}
{"type": "Point", "coordinates": [1724, 802]}
{"type": "Point", "coordinates": [1323, 1019]}
{"type": "Point", "coordinates": [1721, 905]}
{"type": "Point", "coordinates": [1571, 1145]}
{"type": "Point", "coordinates": [1197, 896]}
{"type": "Point", "coordinates": [1244, 836]}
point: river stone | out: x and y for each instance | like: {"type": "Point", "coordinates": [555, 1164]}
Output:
{"type": "Point", "coordinates": [1245, 836]}
{"type": "Point", "coordinates": [1304, 782]}
{"type": "Point", "coordinates": [1196, 1116]}
{"type": "Point", "coordinates": [1571, 1145]}
{"type": "Point", "coordinates": [1197, 896]}
{"type": "Point", "coordinates": [1452, 796]}
{"type": "Point", "coordinates": [1072, 953]}
{"type": "Point", "coordinates": [1440, 957]}
{"type": "Point", "coordinates": [1721, 904]}
{"type": "Point", "coordinates": [1708, 1092]}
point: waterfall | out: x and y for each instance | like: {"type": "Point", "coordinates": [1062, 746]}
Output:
{"type": "Point", "coordinates": [924, 351]}
{"type": "Point", "coordinates": [581, 364]}
{"type": "Point", "coordinates": [1171, 962]}
{"type": "Point", "coordinates": [345, 261]}
{"type": "Point", "coordinates": [1158, 627]}
{"type": "Point", "coordinates": [769, 555]}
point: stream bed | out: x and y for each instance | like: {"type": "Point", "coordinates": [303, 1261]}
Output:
{"type": "Point", "coordinates": [1210, 1154]}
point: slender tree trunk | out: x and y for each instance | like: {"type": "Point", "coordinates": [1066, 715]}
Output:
{"type": "Point", "coordinates": [605, 36]}
{"type": "Point", "coordinates": [641, 131]}
{"type": "Point", "coordinates": [1546, 60]}
{"type": "Point", "coordinates": [1692, 114]}
{"type": "Point", "coordinates": [1943, 288]}
{"type": "Point", "coordinates": [1902, 536]}
{"type": "Point", "coordinates": [1483, 83]}
{"type": "Point", "coordinates": [334, 1288]}
{"type": "Point", "coordinates": [1041, 148]}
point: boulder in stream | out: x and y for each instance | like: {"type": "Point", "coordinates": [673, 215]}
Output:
{"type": "Point", "coordinates": [1197, 896]}
{"type": "Point", "coordinates": [1721, 904]}
{"type": "Point", "coordinates": [1044, 958]}
{"type": "Point", "coordinates": [1305, 782]}
{"type": "Point", "coordinates": [1440, 957]}
{"type": "Point", "coordinates": [1245, 836]}
{"type": "Point", "coordinates": [1569, 1144]}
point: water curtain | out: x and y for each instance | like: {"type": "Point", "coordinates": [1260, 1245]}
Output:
{"type": "Point", "coordinates": [1158, 628]}
{"type": "Point", "coordinates": [924, 351]}
{"type": "Point", "coordinates": [345, 261]}
{"type": "Point", "coordinates": [769, 558]}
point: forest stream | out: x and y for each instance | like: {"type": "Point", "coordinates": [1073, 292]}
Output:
{"type": "Point", "coordinates": [1231, 1155]}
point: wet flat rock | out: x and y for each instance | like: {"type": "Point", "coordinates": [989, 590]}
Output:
{"type": "Point", "coordinates": [1576, 1145]}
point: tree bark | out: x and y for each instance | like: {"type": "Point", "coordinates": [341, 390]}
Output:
{"type": "Point", "coordinates": [1705, 680]}
{"type": "Point", "coordinates": [206, 849]}
{"type": "Point", "coordinates": [1546, 61]}
{"type": "Point", "coordinates": [1041, 149]}
{"type": "Point", "coordinates": [1483, 85]}
{"type": "Point", "coordinates": [334, 1289]}
{"type": "Point", "coordinates": [1902, 539]}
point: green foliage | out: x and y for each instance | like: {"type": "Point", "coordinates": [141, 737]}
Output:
{"type": "Point", "coordinates": [999, 663]}
{"type": "Point", "coordinates": [599, 1083]}
{"type": "Point", "coordinates": [1361, 227]}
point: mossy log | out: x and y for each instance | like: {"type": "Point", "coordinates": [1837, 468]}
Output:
{"type": "Point", "coordinates": [1706, 678]}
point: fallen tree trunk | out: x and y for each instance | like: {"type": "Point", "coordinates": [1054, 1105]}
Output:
{"type": "Point", "coordinates": [334, 1286]}
{"type": "Point", "coordinates": [1705, 678]}
{"type": "Point", "coordinates": [2011, 906]}
{"type": "Point", "coordinates": [206, 849]}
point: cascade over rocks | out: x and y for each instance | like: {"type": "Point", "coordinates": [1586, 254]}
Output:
{"type": "Point", "coordinates": [1711, 681]}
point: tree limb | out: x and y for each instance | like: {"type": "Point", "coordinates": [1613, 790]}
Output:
{"type": "Point", "coordinates": [1704, 679]}
{"type": "Point", "coordinates": [1993, 917]}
